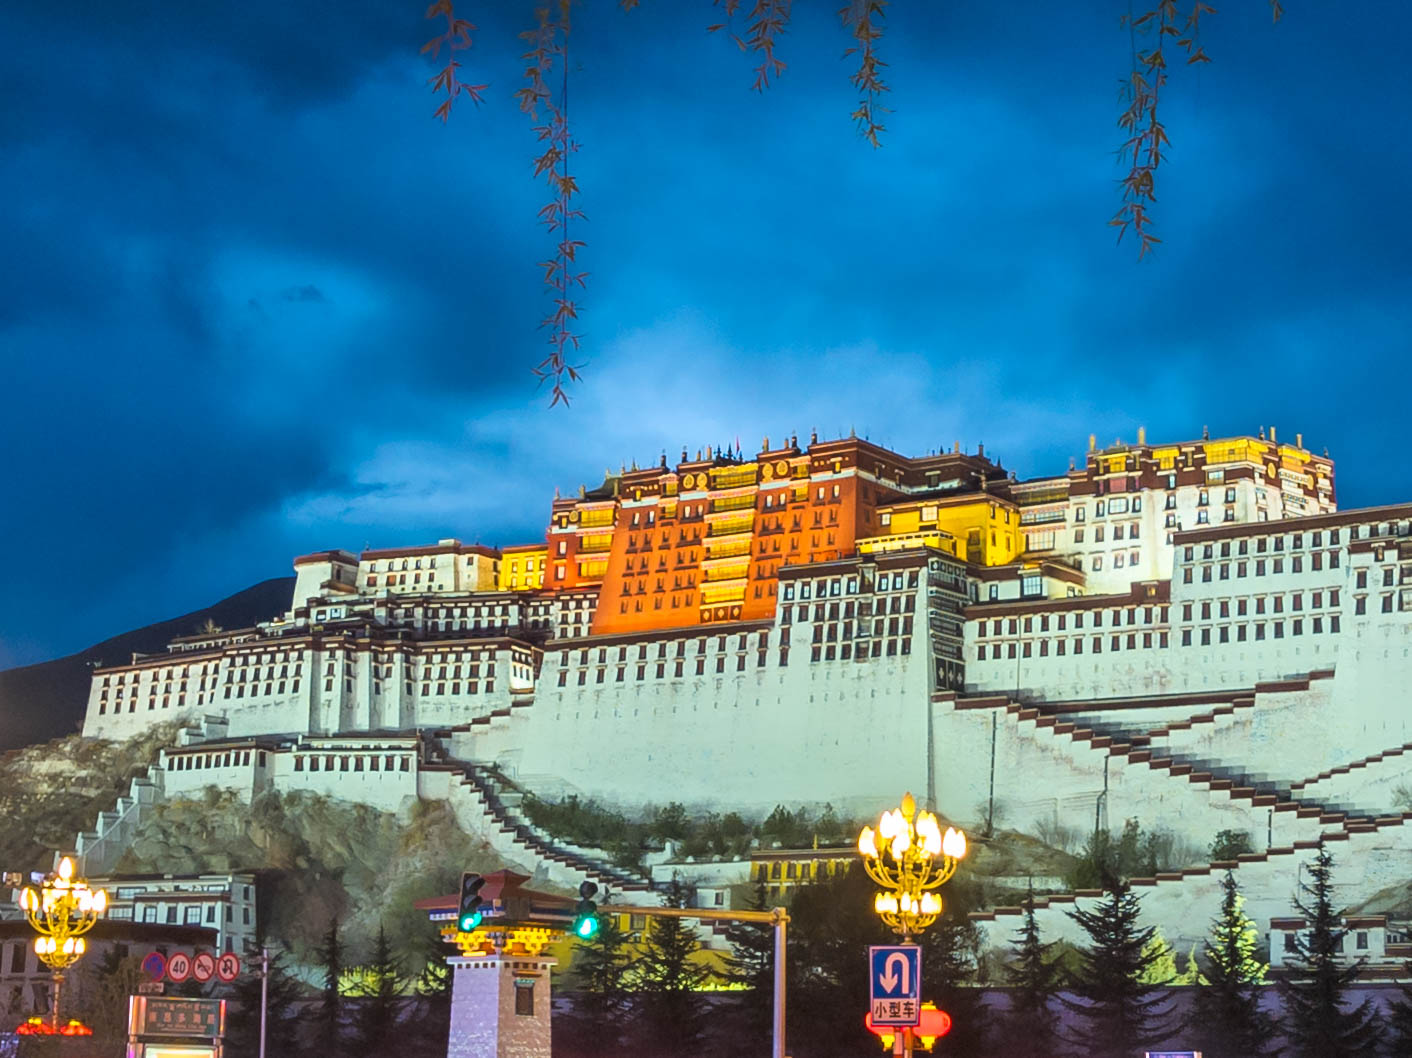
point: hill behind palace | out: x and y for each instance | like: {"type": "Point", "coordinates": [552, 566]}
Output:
{"type": "Point", "coordinates": [47, 700]}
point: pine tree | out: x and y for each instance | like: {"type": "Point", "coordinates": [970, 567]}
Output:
{"type": "Point", "coordinates": [1399, 1019]}
{"type": "Point", "coordinates": [1225, 1013]}
{"type": "Point", "coordinates": [1034, 979]}
{"type": "Point", "coordinates": [1319, 1023]}
{"type": "Point", "coordinates": [602, 999]}
{"type": "Point", "coordinates": [951, 972]}
{"type": "Point", "coordinates": [752, 964]}
{"type": "Point", "coordinates": [433, 990]}
{"type": "Point", "coordinates": [329, 958]}
{"type": "Point", "coordinates": [832, 923]}
{"type": "Point", "coordinates": [378, 1016]}
{"type": "Point", "coordinates": [282, 1017]}
{"type": "Point", "coordinates": [1122, 1014]}
{"type": "Point", "coordinates": [670, 1012]}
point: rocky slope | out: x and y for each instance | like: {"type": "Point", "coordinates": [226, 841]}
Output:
{"type": "Point", "coordinates": [49, 792]}
{"type": "Point", "coordinates": [319, 858]}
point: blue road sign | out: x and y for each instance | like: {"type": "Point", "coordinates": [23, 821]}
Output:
{"type": "Point", "coordinates": [895, 984]}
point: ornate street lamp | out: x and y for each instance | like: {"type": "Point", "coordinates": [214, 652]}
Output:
{"type": "Point", "coordinates": [909, 857]}
{"type": "Point", "coordinates": [61, 910]}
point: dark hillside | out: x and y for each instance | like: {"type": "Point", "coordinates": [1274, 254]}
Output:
{"type": "Point", "coordinates": [44, 701]}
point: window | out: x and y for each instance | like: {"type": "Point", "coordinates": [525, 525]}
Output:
{"type": "Point", "coordinates": [524, 998]}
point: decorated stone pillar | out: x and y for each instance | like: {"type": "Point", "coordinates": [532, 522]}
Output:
{"type": "Point", "coordinates": [500, 990]}
{"type": "Point", "coordinates": [500, 1004]}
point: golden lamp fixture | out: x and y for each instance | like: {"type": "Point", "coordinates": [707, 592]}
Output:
{"type": "Point", "coordinates": [61, 910]}
{"type": "Point", "coordinates": [909, 857]}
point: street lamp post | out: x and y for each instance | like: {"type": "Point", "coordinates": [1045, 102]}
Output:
{"type": "Point", "coordinates": [909, 857]}
{"type": "Point", "coordinates": [61, 910]}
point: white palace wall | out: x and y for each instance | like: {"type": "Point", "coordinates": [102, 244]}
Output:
{"type": "Point", "coordinates": [819, 705]}
{"type": "Point", "coordinates": [743, 739]}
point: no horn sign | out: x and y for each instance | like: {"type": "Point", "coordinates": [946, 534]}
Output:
{"type": "Point", "coordinates": [895, 984]}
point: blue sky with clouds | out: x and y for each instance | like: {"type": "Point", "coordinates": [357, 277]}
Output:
{"type": "Point", "coordinates": [255, 301]}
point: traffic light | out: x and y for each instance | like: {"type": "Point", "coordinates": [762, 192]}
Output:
{"type": "Point", "coordinates": [586, 913]}
{"type": "Point", "coordinates": [469, 913]}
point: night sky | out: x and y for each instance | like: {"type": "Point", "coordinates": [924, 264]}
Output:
{"type": "Point", "coordinates": [256, 301]}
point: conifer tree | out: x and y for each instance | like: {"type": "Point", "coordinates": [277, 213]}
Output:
{"type": "Point", "coordinates": [1225, 1013]}
{"type": "Point", "coordinates": [602, 998]}
{"type": "Point", "coordinates": [1319, 1022]}
{"type": "Point", "coordinates": [832, 923]}
{"type": "Point", "coordinates": [433, 991]}
{"type": "Point", "coordinates": [670, 1014]}
{"type": "Point", "coordinates": [282, 1017]}
{"type": "Point", "coordinates": [1034, 980]}
{"type": "Point", "coordinates": [1399, 1019]}
{"type": "Point", "coordinates": [752, 964]}
{"type": "Point", "coordinates": [378, 1015]}
{"type": "Point", "coordinates": [1121, 1013]}
{"type": "Point", "coordinates": [951, 949]}
{"type": "Point", "coordinates": [329, 958]}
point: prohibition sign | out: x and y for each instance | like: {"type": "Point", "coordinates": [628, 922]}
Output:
{"type": "Point", "coordinates": [228, 967]}
{"type": "Point", "coordinates": [203, 967]}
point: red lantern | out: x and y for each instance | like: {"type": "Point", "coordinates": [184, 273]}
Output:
{"type": "Point", "coordinates": [933, 1025]}
{"type": "Point", "coordinates": [37, 1026]}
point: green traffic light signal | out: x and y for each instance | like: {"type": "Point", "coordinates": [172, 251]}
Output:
{"type": "Point", "coordinates": [586, 913]}
{"type": "Point", "coordinates": [470, 907]}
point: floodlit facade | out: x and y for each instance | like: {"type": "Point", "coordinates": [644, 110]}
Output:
{"type": "Point", "coordinates": [1190, 633]}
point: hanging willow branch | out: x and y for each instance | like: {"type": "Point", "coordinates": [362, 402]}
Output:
{"type": "Point", "coordinates": [767, 21]}
{"type": "Point", "coordinates": [863, 19]}
{"type": "Point", "coordinates": [549, 41]}
{"type": "Point", "coordinates": [1146, 134]}
{"type": "Point", "coordinates": [456, 38]}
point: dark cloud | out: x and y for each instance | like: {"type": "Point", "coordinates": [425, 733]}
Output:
{"type": "Point", "coordinates": [254, 300]}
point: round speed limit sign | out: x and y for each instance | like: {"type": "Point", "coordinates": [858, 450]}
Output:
{"type": "Point", "coordinates": [179, 966]}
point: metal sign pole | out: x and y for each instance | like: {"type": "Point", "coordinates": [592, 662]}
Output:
{"type": "Point", "coordinates": [264, 995]}
{"type": "Point", "coordinates": [780, 920]}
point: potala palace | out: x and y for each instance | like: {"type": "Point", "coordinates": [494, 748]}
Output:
{"type": "Point", "coordinates": [1190, 634]}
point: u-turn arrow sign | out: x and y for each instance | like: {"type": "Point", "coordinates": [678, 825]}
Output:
{"type": "Point", "coordinates": [895, 984]}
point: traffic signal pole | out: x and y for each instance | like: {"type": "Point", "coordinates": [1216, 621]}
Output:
{"type": "Point", "coordinates": [775, 917]}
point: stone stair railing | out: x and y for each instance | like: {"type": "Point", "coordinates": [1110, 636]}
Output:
{"type": "Point", "coordinates": [1224, 786]}
{"type": "Point", "coordinates": [1393, 830]}
{"type": "Point", "coordinates": [499, 803]}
